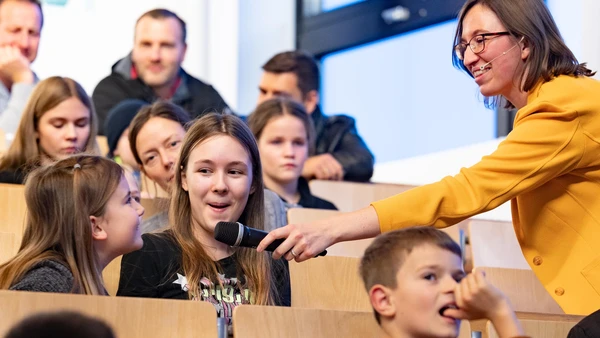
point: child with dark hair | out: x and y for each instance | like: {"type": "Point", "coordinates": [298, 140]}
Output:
{"type": "Point", "coordinates": [418, 288]}
{"type": "Point", "coordinates": [116, 128]}
{"type": "Point", "coordinates": [60, 324]}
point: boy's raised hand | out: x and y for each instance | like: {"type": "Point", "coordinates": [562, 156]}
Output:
{"type": "Point", "coordinates": [476, 298]}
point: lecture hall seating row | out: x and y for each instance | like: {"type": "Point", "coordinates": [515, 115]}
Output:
{"type": "Point", "coordinates": [487, 239]}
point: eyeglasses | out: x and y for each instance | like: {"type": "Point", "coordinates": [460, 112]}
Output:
{"type": "Point", "coordinates": [477, 44]}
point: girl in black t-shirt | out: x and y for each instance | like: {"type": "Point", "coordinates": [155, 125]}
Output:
{"type": "Point", "coordinates": [218, 178]}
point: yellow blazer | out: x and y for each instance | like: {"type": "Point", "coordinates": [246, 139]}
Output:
{"type": "Point", "coordinates": [549, 167]}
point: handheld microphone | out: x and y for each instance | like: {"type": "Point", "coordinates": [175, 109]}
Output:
{"type": "Point", "coordinates": [237, 234]}
{"type": "Point", "coordinates": [482, 67]}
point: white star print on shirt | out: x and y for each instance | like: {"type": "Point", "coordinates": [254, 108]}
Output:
{"type": "Point", "coordinates": [182, 280]}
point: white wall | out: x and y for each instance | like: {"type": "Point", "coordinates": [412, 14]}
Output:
{"type": "Point", "coordinates": [578, 23]}
{"type": "Point", "coordinates": [267, 27]}
{"type": "Point", "coordinates": [85, 38]}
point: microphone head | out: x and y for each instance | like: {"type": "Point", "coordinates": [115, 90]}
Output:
{"type": "Point", "coordinates": [228, 232]}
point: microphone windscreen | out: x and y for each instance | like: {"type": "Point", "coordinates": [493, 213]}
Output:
{"type": "Point", "coordinates": [227, 232]}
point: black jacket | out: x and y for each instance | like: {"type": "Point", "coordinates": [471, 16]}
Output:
{"type": "Point", "coordinates": [308, 200]}
{"type": "Point", "coordinates": [195, 96]}
{"type": "Point", "coordinates": [337, 135]}
{"type": "Point", "coordinates": [588, 327]}
{"type": "Point", "coordinates": [12, 176]}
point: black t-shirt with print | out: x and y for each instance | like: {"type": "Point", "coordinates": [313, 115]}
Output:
{"type": "Point", "coordinates": [155, 271]}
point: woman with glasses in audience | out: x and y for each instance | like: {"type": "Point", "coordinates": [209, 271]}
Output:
{"type": "Point", "coordinates": [80, 216]}
{"type": "Point", "coordinates": [285, 137]}
{"type": "Point", "coordinates": [548, 166]}
{"type": "Point", "coordinates": [217, 178]}
{"type": "Point", "coordinates": [58, 121]}
{"type": "Point", "coordinates": [155, 136]}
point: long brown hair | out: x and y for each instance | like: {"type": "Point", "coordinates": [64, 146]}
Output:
{"type": "Point", "coordinates": [48, 94]}
{"type": "Point", "coordinates": [60, 200]}
{"type": "Point", "coordinates": [280, 106]}
{"type": "Point", "coordinates": [549, 56]}
{"type": "Point", "coordinates": [196, 263]}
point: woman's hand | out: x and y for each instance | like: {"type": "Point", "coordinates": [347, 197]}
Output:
{"type": "Point", "coordinates": [304, 241]}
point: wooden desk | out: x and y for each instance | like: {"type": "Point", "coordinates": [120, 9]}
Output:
{"type": "Point", "coordinates": [350, 196]}
{"type": "Point", "coordinates": [494, 244]}
{"type": "Point", "coordinates": [540, 325]}
{"type": "Point", "coordinates": [102, 144]}
{"type": "Point", "coordinates": [7, 246]}
{"type": "Point", "coordinates": [252, 321]}
{"type": "Point", "coordinates": [525, 292]}
{"type": "Point", "coordinates": [13, 210]}
{"type": "Point", "coordinates": [111, 275]}
{"type": "Point", "coordinates": [129, 317]}
{"type": "Point", "coordinates": [330, 283]}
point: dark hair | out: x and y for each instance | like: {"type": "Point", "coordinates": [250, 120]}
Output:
{"type": "Point", "coordinates": [302, 64]}
{"type": "Point", "coordinates": [549, 56]}
{"type": "Point", "coordinates": [161, 13]}
{"type": "Point", "coordinates": [60, 324]}
{"type": "Point", "coordinates": [385, 256]}
{"type": "Point", "coordinates": [164, 109]}
{"type": "Point", "coordinates": [280, 106]}
{"type": "Point", "coordinates": [33, 2]}
{"type": "Point", "coordinates": [118, 120]}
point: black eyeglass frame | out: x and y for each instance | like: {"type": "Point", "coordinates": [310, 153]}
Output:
{"type": "Point", "coordinates": [461, 48]}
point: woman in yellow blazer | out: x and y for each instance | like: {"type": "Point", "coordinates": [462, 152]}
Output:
{"type": "Point", "coordinates": [548, 166]}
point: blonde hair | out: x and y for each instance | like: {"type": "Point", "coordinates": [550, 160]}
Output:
{"type": "Point", "coordinates": [60, 200]}
{"type": "Point", "coordinates": [48, 94]}
{"type": "Point", "coordinates": [196, 263]}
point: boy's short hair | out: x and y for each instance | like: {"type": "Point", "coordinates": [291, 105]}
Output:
{"type": "Point", "coordinates": [385, 256]}
{"type": "Point", "coordinates": [60, 324]}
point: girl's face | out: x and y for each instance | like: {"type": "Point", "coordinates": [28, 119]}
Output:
{"type": "Point", "coordinates": [158, 144]}
{"type": "Point", "coordinates": [283, 147]}
{"type": "Point", "coordinates": [218, 179]}
{"type": "Point", "coordinates": [64, 130]}
{"type": "Point", "coordinates": [121, 222]}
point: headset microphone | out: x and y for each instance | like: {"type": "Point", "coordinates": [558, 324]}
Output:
{"type": "Point", "coordinates": [482, 67]}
